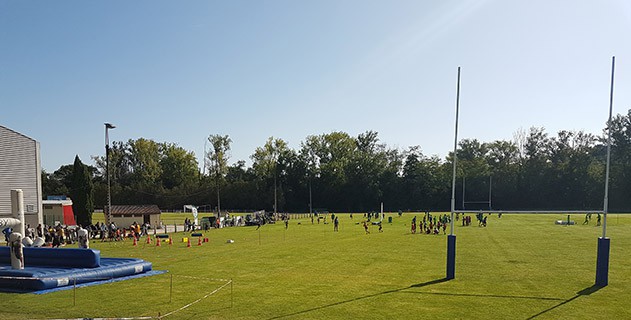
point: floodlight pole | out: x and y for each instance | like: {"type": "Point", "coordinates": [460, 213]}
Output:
{"type": "Point", "coordinates": [451, 239]}
{"type": "Point", "coordinates": [108, 215]}
{"type": "Point", "coordinates": [310, 199]}
{"type": "Point", "coordinates": [602, 256]}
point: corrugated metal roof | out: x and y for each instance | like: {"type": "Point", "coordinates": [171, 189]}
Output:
{"type": "Point", "coordinates": [135, 209]}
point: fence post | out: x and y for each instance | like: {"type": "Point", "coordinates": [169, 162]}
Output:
{"type": "Point", "coordinates": [74, 295]}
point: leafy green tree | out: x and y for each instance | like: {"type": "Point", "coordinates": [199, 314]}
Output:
{"type": "Point", "coordinates": [178, 166]}
{"type": "Point", "coordinates": [144, 158]}
{"type": "Point", "coordinates": [265, 163]}
{"type": "Point", "coordinates": [311, 164]}
{"type": "Point", "coordinates": [59, 182]}
{"type": "Point", "coordinates": [620, 174]}
{"type": "Point", "coordinates": [82, 193]}
{"type": "Point", "coordinates": [217, 159]}
{"type": "Point", "coordinates": [503, 160]}
{"type": "Point", "coordinates": [364, 171]}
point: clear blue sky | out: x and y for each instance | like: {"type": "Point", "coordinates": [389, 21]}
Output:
{"type": "Point", "coordinates": [178, 71]}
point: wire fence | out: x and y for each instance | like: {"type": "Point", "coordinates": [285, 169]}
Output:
{"type": "Point", "coordinates": [179, 287]}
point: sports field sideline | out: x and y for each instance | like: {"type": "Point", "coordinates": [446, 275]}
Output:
{"type": "Point", "coordinates": [518, 267]}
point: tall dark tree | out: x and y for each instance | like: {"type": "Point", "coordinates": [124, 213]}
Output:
{"type": "Point", "coordinates": [82, 193]}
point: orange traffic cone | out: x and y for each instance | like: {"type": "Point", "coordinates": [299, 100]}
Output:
{"type": "Point", "coordinates": [188, 243]}
{"type": "Point", "coordinates": [157, 242]}
{"type": "Point", "coordinates": [148, 239]}
{"type": "Point", "coordinates": [199, 241]}
{"type": "Point", "coordinates": [170, 241]}
{"type": "Point", "coordinates": [135, 242]}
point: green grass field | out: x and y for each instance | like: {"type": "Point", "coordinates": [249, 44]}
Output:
{"type": "Point", "coordinates": [519, 267]}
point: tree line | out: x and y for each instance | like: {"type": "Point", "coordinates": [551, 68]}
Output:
{"type": "Point", "coordinates": [344, 173]}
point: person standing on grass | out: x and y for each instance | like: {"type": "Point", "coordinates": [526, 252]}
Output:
{"type": "Point", "coordinates": [286, 223]}
{"type": "Point", "coordinates": [586, 219]}
{"type": "Point", "coordinates": [366, 227]}
{"type": "Point", "coordinates": [336, 224]}
{"type": "Point", "coordinates": [598, 220]}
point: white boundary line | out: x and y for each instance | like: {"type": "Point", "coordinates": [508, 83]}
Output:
{"type": "Point", "coordinates": [227, 282]}
{"type": "Point", "coordinates": [196, 301]}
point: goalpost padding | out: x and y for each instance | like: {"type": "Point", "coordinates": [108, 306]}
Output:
{"type": "Point", "coordinates": [602, 262]}
{"type": "Point", "coordinates": [451, 257]}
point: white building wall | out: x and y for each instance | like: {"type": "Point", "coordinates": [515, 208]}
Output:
{"type": "Point", "coordinates": [20, 168]}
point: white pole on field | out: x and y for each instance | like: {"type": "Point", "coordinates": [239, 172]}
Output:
{"type": "Point", "coordinates": [451, 238]}
{"type": "Point", "coordinates": [455, 155]}
{"type": "Point", "coordinates": [606, 200]}
{"type": "Point", "coordinates": [490, 190]}
{"type": "Point", "coordinates": [464, 195]}
{"type": "Point", "coordinates": [604, 244]}
{"type": "Point", "coordinates": [381, 211]}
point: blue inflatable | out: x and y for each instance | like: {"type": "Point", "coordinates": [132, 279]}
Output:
{"type": "Point", "coordinates": [48, 268]}
{"type": "Point", "coordinates": [71, 257]}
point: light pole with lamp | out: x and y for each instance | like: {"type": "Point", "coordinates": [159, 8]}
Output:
{"type": "Point", "coordinates": [108, 216]}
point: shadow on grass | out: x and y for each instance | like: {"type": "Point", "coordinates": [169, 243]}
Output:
{"type": "Point", "coordinates": [418, 285]}
{"type": "Point", "coordinates": [484, 295]}
{"type": "Point", "coordinates": [585, 292]}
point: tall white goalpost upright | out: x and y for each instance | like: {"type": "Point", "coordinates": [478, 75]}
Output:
{"type": "Point", "coordinates": [602, 256]}
{"type": "Point", "coordinates": [451, 239]}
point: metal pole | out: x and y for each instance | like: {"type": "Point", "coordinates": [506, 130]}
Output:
{"type": "Point", "coordinates": [606, 200]}
{"type": "Point", "coordinates": [108, 218]}
{"type": "Point", "coordinates": [604, 245]}
{"type": "Point", "coordinates": [463, 192]}
{"type": "Point", "coordinates": [108, 215]}
{"type": "Point", "coordinates": [490, 191]}
{"type": "Point", "coordinates": [451, 239]}
{"type": "Point", "coordinates": [455, 155]}
{"type": "Point", "coordinates": [310, 199]}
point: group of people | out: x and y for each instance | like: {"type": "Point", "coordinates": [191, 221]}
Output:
{"type": "Point", "coordinates": [430, 224]}
{"type": "Point", "coordinates": [189, 225]}
{"type": "Point", "coordinates": [480, 217]}
{"type": "Point", "coordinates": [52, 236]}
{"type": "Point", "coordinates": [366, 223]}
{"type": "Point", "coordinates": [588, 218]}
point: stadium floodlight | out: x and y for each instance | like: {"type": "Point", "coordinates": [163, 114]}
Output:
{"type": "Point", "coordinates": [108, 215]}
